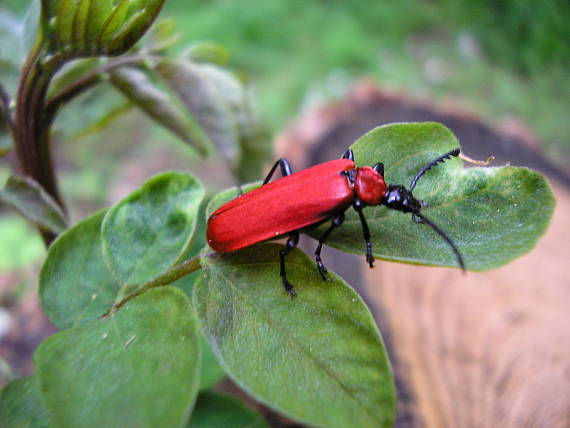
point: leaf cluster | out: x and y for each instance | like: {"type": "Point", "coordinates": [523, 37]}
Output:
{"type": "Point", "coordinates": [150, 319]}
{"type": "Point", "coordinates": [131, 346]}
{"type": "Point", "coordinates": [82, 45]}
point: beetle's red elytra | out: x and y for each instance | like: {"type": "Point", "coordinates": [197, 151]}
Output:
{"type": "Point", "coordinates": [308, 198]}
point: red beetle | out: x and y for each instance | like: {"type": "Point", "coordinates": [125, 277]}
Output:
{"type": "Point", "coordinates": [308, 198]}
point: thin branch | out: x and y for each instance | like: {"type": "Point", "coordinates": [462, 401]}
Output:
{"type": "Point", "coordinates": [54, 103]}
{"type": "Point", "coordinates": [486, 162]}
{"type": "Point", "coordinates": [166, 278]}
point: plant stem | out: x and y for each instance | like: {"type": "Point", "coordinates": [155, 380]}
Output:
{"type": "Point", "coordinates": [166, 278]}
{"type": "Point", "coordinates": [34, 115]}
{"type": "Point", "coordinates": [54, 103]}
{"type": "Point", "coordinates": [31, 137]}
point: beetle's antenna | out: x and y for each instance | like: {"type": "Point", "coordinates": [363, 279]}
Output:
{"type": "Point", "coordinates": [441, 233]}
{"type": "Point", "coordinates": [426, 168]}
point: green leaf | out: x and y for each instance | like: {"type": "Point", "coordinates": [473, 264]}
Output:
{"type": "Point", "coordinates": [99, 12]}
{"type": "Point", "coordinates": [213, 97]}
{"type": "Point", "coordinates": [87, 27]}
{"type": "Point", "coordinates": [102, 122]}
{"type": "Point", "coordinates": [211, 372]}
{"type": "Point", "coordinates": [207, 52]}
{"type": "Point", "coordinates": [21, 405]}
{"type": "Point", "coordinates": [222, 105]}
{"type": "Point", "coordinates": [113, 23]}
{"type": "Point", "coordinates": [70, 73]}
{"type": "Point", "coordinates": [75, 283]}
{"type": "Point", "coordinates": [137, 368]}
{"type": "Point", "coordinates": [215, 410]}
{"type": "Point", "coordinates": [493, 215]}
{"type": "Point", "coordinates": [31, 200]}
{"type": "Point", "coordinates": [227, 195]}
{"type": "Point", "coordinates": [318, 357]}
{"type": "Point", "coordinates": [136, 24]}
{"type": "Point", "coordinates": [254, 140]}
{"type": "Point", "coordinates": [64, 14]}
{"type": "Point", "coordinates": [157, 104]}
{"type": "Point", "coordinates": [150, 230]}
{"type": "Point", "coordinates": [79, 25]}
{"type": "Point", "coordinates": [121, 39]}
{"type": "Point", "coordinates": [162, 36]}
{"type": "Point", "coordinates": [30, 27]}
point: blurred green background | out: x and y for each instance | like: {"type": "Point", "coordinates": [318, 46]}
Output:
{"type": "Point", "coordinates": [499, 59]}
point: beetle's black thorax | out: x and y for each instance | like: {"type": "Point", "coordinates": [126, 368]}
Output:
{"type": "Point", "coordinates": [401, 199]}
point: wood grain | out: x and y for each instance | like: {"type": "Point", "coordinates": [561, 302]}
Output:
{"type": "Point", "coordinates": [483, 349]}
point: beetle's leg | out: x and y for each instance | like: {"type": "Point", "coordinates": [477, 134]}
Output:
{"type": "Point", "coordinates": [285, 169]}
{"type": "Point", "coordinates": [336, 222]}
{"type": "Point", "coordinates": [358, 206]}
{"type": "Point", "coordinates": [291, 243]}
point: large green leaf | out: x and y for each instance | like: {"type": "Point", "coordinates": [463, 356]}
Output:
{"type": "Point", "coordinates": [75, 282]}
{"type": "Point", "coordinates": [222, 411]}
{"type": "Point", "coordinates": [318, 357]}
{"type": "Point", "coordinates": [227, 195]}
{"type": "Point", "coordinates": [33, 202]}
{"type": "Point", "coordinates": [493, 215]}
{"type": "Point", "coordinates": [21, 405]}
{"type": "Point", "coordinates": [136, 368]}
{"type": "Point", "coordinates": [210, 373]}
{"type": "Point", "coordinates": [151, 229]}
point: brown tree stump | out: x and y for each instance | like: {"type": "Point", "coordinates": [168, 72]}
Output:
{"type": "Point", "coordinates": [483, 349]}
{"type": "Point", "coordinates": [477, 350]}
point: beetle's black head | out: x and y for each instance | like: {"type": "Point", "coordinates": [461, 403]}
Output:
{"type": "Point", "coordinates": [399, 198]}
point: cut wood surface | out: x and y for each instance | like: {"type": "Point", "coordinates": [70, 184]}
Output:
{"type": "Point", "coordinates": [483, 349]}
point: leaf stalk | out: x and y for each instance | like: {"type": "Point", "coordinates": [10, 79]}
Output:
{"type": "Point", "coordinates": [168, 277]}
